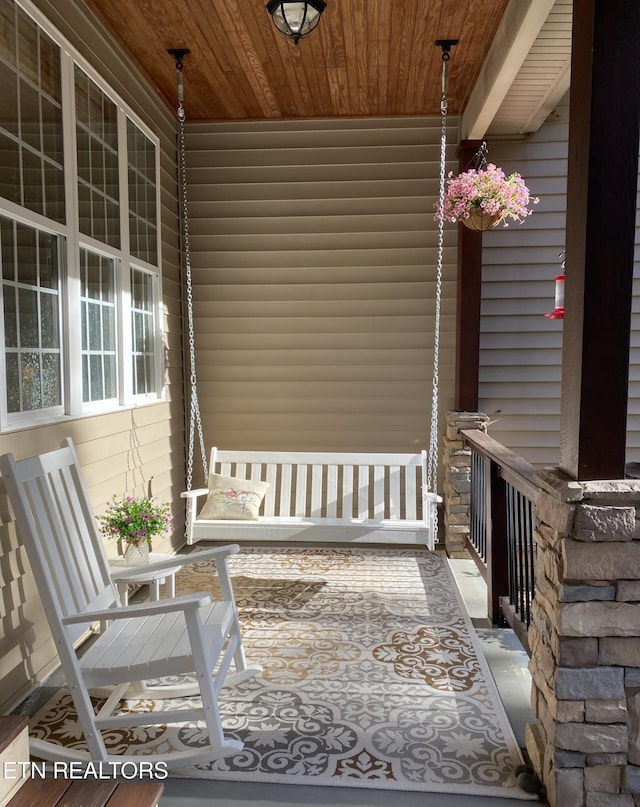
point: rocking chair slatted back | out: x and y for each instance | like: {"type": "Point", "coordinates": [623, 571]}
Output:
{"type": "Point", "coordinates": [56, 505]}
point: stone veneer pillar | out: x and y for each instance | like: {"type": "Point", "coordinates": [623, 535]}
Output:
{"type": "Point", "coordinates": [585, 643]}
{"type": "Point", "coordinates": [457, 481]}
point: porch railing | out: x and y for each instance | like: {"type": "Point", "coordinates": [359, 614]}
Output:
{"type": "Point", "coordinates": [503, 494]}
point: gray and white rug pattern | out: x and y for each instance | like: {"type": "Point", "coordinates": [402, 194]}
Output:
{"type": "Point", "coordinates": [373, 677]}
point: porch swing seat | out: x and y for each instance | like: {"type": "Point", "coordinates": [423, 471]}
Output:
{"type": "Point", "coordinates": [322, 498]}
{"type": "Point", "coordinates": [190, 635]}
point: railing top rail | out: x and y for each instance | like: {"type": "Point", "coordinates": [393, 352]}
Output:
{"type": "Point", "coordinates": [514, 469]}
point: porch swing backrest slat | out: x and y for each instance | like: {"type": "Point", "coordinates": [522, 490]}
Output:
{"type": "Point", "coordinates": [394, 491]}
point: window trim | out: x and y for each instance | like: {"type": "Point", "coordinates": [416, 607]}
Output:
{"type": "Point", "coordinates": [85, 348]}
{"type": "Point", "coordinates": [71, 241]}
{"type": "Point", "coordinates": [157, 333]}
{"type": "Point", "coordinates": [36, 417]}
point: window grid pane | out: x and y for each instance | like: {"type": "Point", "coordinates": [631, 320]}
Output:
{"type": "Point", "coordinates": [143, 327]}
{"type": "Point", "coordinates": [97, 155]}
{"type": "Point", "coordinates": [31, 154]}
{"type": "Point", "coordinates": [98, 312]}
{"type": "Point", "coordinates": [31, 294]}
{"type": "Point", "coordinates": [141, 159]}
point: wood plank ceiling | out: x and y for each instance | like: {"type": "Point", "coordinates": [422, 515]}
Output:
{"type": "Point", "coordinates": [365, 58]}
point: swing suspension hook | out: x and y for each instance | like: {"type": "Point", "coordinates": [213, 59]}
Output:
{"type": "Point", "coordinates": [179, 54]}
{"type": "Point", "coordinates": [446, 45]}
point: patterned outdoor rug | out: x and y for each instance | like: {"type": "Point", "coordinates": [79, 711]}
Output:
{"type": "Point", "coordinates": [372, 678]}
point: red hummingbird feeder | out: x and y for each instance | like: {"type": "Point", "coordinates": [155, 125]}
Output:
{"type": "Point", "coordinates": [558, 311]}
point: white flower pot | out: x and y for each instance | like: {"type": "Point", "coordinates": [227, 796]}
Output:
{"type": "Point", "coordinates": [137, 555]}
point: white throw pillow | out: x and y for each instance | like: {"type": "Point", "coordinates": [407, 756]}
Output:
{"type": "Point", "coordinates": [233, 498]}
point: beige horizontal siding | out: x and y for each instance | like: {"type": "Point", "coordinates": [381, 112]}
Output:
{"type": "Point", "coordinates": [313, 254]}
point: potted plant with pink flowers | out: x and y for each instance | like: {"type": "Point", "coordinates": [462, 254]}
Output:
{"type": "Point", "coordinates": [483, 198]}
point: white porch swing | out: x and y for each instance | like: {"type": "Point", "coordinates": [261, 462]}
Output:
{"type": "Point", "coordinates": [312, 496]}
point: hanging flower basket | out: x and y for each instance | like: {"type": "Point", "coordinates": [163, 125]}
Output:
{"type": "Point", "coordinates": [483, 198]}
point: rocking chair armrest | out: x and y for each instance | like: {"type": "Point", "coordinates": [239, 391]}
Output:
{"type": "Point", "coordinates": [218, 553]}
{"type": "Point", "coordinates": [186, 602]}
{"type": "Point", "coordinates": [194, 494]}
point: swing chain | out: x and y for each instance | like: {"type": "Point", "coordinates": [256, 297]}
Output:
{"type": "Point", "coordinates": [195, 419]}
{"type": "Point", "coordinates": [432, 457]}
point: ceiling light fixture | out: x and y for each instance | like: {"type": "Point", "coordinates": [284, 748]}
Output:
{"type": "Point", "coordinates": [296, 19]}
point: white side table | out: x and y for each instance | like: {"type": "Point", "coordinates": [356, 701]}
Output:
{"type": "Point", "coordinates": [123, 575]}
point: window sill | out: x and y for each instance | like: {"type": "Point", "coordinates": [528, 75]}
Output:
{"type": "Point", "coordinates": [55, 420]}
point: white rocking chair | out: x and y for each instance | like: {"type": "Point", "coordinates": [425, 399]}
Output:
{"type": "Point", "coordinates": [185, 635]}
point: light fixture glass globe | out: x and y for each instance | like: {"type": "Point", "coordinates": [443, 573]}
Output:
{"type": "Point", "coordinates": [296, 19]}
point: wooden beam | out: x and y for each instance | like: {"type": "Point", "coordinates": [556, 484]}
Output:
{"type": "Point", "coordinates": [601, 213]}
{"type": "Point", "coordinates": [555, 93]}
{"type": "Point", "coordinates": [468, 304]}
{"type": "Point", "coordinates": [518, 29]}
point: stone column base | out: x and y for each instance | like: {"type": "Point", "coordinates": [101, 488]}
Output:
{"type": "Point", "coordinates": [457, 481]}
{"type": "Point", "coordinates": [585, 642]}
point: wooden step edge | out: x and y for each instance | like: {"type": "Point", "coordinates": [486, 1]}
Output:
{"type": "Point", "coordinates": [11, 727]}
{"type": "Point", "coordinates": [14, 750]}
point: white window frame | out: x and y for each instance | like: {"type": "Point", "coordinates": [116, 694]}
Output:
{"type": "Point", "coordinates": [102, 403]}
{"type": "Point", "coordinates": [35, 417]}
{"type": "Point", "coordinates": [71, 241]}
{"type": "Point", "coordinates": [139, 266]}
